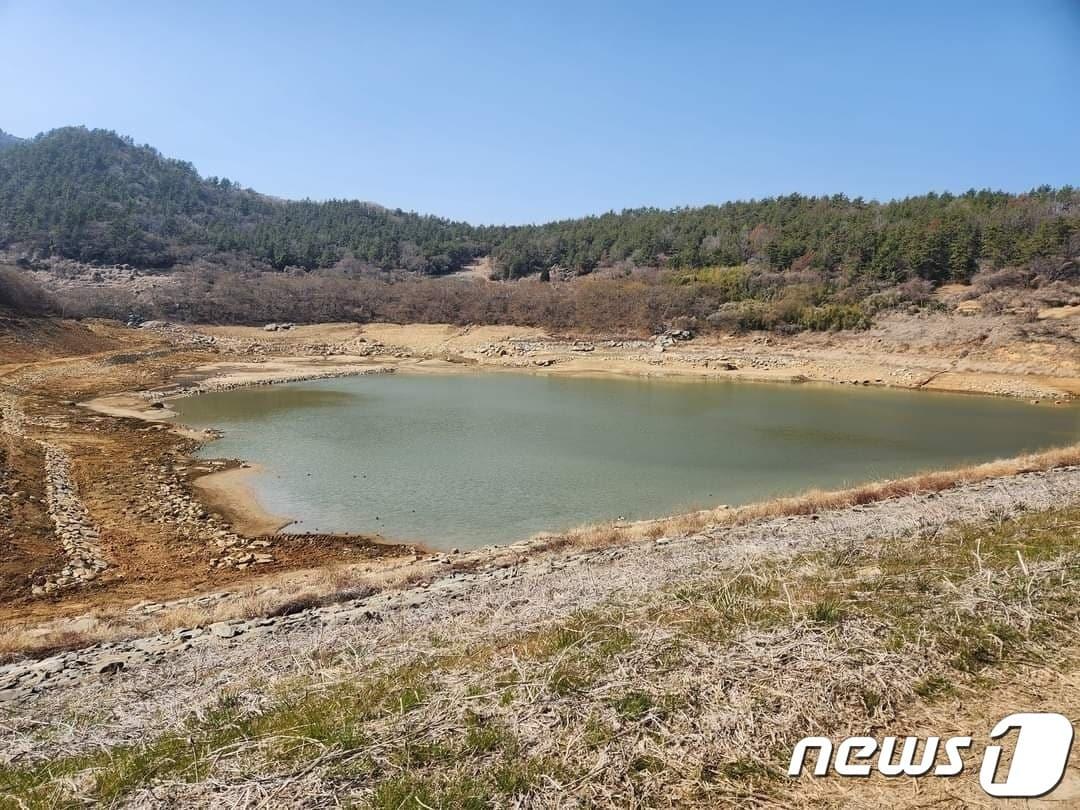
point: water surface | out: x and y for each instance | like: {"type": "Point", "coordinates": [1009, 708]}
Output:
{"type": "Point", "coordinates": [470, 459]}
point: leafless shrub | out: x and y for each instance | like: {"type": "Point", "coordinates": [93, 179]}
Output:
{"type": "Point", "coordinates": [21, 295]}
{"type": "Point", "coordinates": [916, 290]}
{"type": "Point", "coordinates": [988, 280]}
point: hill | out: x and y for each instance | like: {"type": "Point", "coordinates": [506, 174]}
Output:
{"type": "Point", "coordinates": [936, 237]}
{"type": "Point", "coordinates": [791, 262]}
{"type": "Point", "coordinates": [7, 139]}
{"type": "Point", "coordinates": [93, 195]}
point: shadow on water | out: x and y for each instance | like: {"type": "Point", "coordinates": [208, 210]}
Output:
{"type": "Point", "coordinates": [263, 403]}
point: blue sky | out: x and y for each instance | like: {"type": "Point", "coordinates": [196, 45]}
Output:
{"type": "Point", "coordinates": [515, 112]}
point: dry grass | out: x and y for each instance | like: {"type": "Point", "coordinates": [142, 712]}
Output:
{"type": "Point", "coordinates": [688, 695]}
{"type": "Point", "coordinates": [808, 503]}
{"type": "Point", "coordinates": [324, 587]}
{"type": "Point", "coordinates": [18, 642]}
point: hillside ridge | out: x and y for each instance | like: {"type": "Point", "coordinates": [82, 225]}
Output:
{"type": "Point", "coordinates": [96, 196]}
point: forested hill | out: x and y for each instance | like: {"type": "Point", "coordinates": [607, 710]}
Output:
{"type": "Point", "coordinates": [7, 139]}
{"type": "Point", "coordinates": [937, 237]}
{"type": "Point", "coordinates": [93, 195]}
{"type": "Point", "coordinates": [96, 196]}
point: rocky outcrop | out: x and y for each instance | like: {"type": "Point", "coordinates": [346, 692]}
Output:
{"type": "Point", "coordinates": [12, 420]}
{"type": "Point", "coordinates": [188, 338]}
{"type": "Point", "coordinates": [214, 385]}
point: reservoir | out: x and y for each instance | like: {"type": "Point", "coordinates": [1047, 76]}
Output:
{"type": "Point", "coordinates": [465, 460]}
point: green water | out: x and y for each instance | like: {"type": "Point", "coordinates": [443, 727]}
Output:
{"type": "Point", "coordinates": [471, 459]}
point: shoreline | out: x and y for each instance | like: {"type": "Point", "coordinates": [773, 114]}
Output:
{"type": "Point", "coordinates": [165, 557]}
{"type": "Point", "coordinates": [231, 493]}
{"type": "Point", "coordinates": [754, 531]}
{"type": "Point", "coordinates": [898, 355]}
{"type": "Point", "coordinates": [317, 584]}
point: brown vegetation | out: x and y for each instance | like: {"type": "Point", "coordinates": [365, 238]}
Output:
{"type": "Point", "coordinates": [643, 303]}
{"type": "Point", "coordinates": [630, 301]}
{"type": "Point", "coordinates": [21, 296]}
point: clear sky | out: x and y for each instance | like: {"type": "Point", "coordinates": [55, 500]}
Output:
{"type": "Point", "coordinates": [518, 112]}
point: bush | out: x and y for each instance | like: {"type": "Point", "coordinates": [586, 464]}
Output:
{"type": "Point", "coordinates": [21, 295]}
{"type": "Point", "coordinates": [728, 283]}
{"type": "Point", "coordinates": [602, 305]}
{"type": "Point", "coordinates": [743, 316]}
{"type": "Point", "coordinates": [834, 317]}
{"type": "Point", "coordinates": [997, 279]}
{"type": "Point", "coordinates": [916, 290]}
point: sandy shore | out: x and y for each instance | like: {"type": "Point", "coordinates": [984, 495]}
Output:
{"type": "Point", "coordinates": [229, 492]}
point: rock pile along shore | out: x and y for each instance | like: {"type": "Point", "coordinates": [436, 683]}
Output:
{"type": "Point", "coordinates": [77, 534]}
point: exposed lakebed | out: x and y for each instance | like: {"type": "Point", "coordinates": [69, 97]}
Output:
{"type": "Point", "coordinates": [470, 459]}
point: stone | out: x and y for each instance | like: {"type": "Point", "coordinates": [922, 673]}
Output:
{"type": "Point", "coordinates": [111, 666]}
{"type": "Point", "coordinates": [50, 666]}
{"type": "Point", "coordinates": [224, 630]}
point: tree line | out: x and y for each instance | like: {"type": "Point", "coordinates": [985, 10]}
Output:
{"type": "Point", "coordinates": [784, 262]}
{"type": "Point", "coordinates": [93, 195]}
